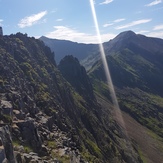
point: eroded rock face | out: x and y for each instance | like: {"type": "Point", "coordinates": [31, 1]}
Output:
{"type": "Point", "coordinates": [6, 111]}
{"type": "Point", "coordinates": [2, 151]}
{"type": "Point", "coordinates": [76, 75]}
{"type": "Point", "coordinates": [30, 133]}
{"type": "Point", "coordinates": [6, 145]}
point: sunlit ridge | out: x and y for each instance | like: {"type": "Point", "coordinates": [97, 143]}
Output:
{"type": "Point", "coordinates": [106, 69]}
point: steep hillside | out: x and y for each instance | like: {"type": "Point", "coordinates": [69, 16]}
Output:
{"type": "Point", "coordinates": [44, 119]}
{"type": "Point", "coordinates": [136, 67]}
{"type": "Point", "coordinates": [61, 48]}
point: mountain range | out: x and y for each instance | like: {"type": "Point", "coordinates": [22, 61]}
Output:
{"type": "Point", "coordinates": [60, 111]}
{"type": "Point", "coordinates": [61, 48]}
{"type": "Point", "coordinates": [136, 66]}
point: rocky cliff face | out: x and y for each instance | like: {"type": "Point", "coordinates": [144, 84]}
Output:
{"type": "Point", "coordinates": [76, 75]}
{"type": "Point", "coordinates": [48, 119]}
{"type": "Point", "coordinates": [6, 147]}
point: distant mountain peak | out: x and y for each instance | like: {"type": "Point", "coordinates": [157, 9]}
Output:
{"type": "Point", "coordinates": [121, 40]}
{"type": "Point", "coordinates": [70, 58]}
{"type": "Point", "coordinates": [125, 35]}
{"type": "Point", "coordinates": [128, 33]}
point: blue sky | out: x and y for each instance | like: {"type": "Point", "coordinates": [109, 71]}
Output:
{"type": "Point", "coordinates": [72, 19]}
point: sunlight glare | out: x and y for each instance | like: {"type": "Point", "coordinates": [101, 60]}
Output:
{"type": "Point", "coordinates": [106, 69]}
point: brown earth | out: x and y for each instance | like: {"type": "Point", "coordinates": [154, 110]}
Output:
{"type": "Point", "coordinates": [148, 144]}
{"type": "Point", "coordinates": [150, 147]}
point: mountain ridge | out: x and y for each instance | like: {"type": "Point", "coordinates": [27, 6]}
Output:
{"type": "Point", "coordinates": [44, 118]}
{"type": "Point", "coordinates": [61, 48]}
{"type": "Point", "coordinates": [130, 40]}
{"type": "Point", "coordinates": [91, 53]}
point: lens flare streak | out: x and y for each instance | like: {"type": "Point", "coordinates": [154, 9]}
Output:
{"type": "Point", "coordinates": [106, 69]}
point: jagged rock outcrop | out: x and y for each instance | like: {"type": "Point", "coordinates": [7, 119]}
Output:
{"type": "Point", "coordinates": [30, 133]}
{"type": "Point", "coordinates": [6, 147]}
{"type": "Point", "coordinates": [76, 75]}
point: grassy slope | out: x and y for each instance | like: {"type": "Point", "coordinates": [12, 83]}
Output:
{"type": "Point", "coordinates": [148, 144]}
{"type": "Point", "coordinates": [138, 82]}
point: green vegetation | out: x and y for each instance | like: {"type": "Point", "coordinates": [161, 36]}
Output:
{"type": "Point", "coordinates": [136, 81]}
{"type": "Point", "coordinates": [55, 152]}
{"type": "Point", "coordinates": [158, 138]}
{"type": "Point", "coordinates": [94, 148]}
{"type": "Point", "coordinates": [64, 159]}
{"type": "Point", "coordinates": [51, 144]}
{"type": "Point", "coordinates": [87, 156]}
{"type": "Point", "coordinates": [146, 110]}
{"type": "Point", "coordinates": [101, 88]}
{"type": "Point", "coordinates": [7, 118]}
{"type": "Point", "coordinates": [27, 148]}
{"type": "Point", "coordinates": [142, 156]}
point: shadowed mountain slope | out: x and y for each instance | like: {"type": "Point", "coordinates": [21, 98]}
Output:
{"type": "Point", "coordinates": [61, 48]}
{"type": "Point", "coordinates": [76, 75]}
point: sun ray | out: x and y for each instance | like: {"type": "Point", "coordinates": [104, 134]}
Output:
{"type": "Point", "coordinates": [118, 113]}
